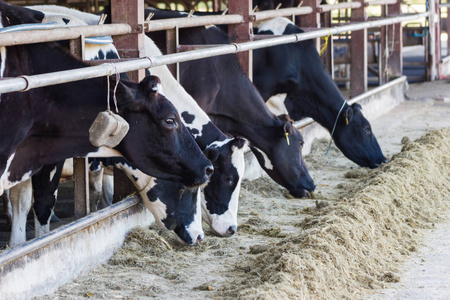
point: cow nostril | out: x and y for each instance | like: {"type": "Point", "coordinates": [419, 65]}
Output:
{"type": "Point", "coordinates": [231, 230]}
{"type": "Point", "coordinates": [209, 171]}
{"type": "Point", "coordinates": [199, 239]}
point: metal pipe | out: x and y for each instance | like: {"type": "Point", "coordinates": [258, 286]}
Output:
{"type": "Point", "coordinates": [63, 231]}
{"type": "Point", "coordinates": [380, 2]}
{"type": "Point", "coordinates": [63, 33]}
{"type": "Point", "coordinates": [185, 22]}
{"type": "Point", "coordinates": [28, 82]}
{"type": "Point", "coordinates": [344, 5]}
{"type": "Point", "coordinates": [308, 121]}
{"type": "Point", "coordinates": [282, 12]}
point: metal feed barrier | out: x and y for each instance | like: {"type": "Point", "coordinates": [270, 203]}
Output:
{"type": "Point", "coordinates": [13, 263]}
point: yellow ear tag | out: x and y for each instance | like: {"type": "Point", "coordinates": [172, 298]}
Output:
{"type": "Point", "coordinates": [287, 138]}
{"type": "Point", "coordinates": [346, 121]}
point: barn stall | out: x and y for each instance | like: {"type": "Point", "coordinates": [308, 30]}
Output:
{"type": "Point", "coordinates": [86, 232]}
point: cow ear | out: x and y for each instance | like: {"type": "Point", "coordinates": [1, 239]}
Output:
{"type": "Point", "coordinates": [347, 115]}
{"type": "Point", "coordinates": [151, 85]}
{"type": "Point", "coordinates": [288, 128]}
{"type": "Point", "coordinates": [212, 154]}
{"type": "Point", "coordinates": [239, 142]}
{"type": "Point", "coordinates": [126, 91]}
{"type": "Point", "coordinates": [287, 124]}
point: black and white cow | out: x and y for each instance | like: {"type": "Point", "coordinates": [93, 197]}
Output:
{"type": "Point", "coordinates": [226, 155]}
{"type": "Point", "coordinates": [226, 94]}
{"type": "Point", "coordinates": [297, 71]}
{"type": "Point", "coordinates": [49, 124]}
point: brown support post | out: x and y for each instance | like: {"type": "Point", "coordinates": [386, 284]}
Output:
{"type": "Point", "coordinates": [81, 187]}
{"type": "Point", "coordinates": [242, 32]}
{"type": "Point", "coordinates": [437, 37]}
{"type": "Point", "coordinates": [358, 50]}
{"type": "Point", "coordinates": [433, 38]}
{"type": "Point", "coordinates": [216, 5]}
{"type": "Point", "coordinates": [130, 45]}
{"type": "Point", "coordinates": [395, 33]}
{"type": "Point", "coordinates": [328, 55]}
{"type": "Point", "coordinates": [311, 21]}
{"type": "Point", "coordinates": [81, 175]}
{"type": "Point", "coordinates": [448, 29]}
{"type": "Point", "coordinates": [171, 46]}
{"type": "Point", "coordinates": [384, 50]}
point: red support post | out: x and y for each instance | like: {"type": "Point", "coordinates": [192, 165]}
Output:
{"type": "Point", "coordinates": [311, 21]}
{"type": "Point", "coordinates": [358, 50]}
{"type": "Point", "coordinates": [395, 33]}
{"type": "Point", "coordinates": [130, 45]}
{"type": "Point", "coordinates": [242, 32]}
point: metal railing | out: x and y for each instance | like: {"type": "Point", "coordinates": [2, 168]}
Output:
{"type": "Point", "coordinates": [28, 82]}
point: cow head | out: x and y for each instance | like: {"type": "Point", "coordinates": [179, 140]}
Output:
{"type": "Point", "coordinates": [290, 170]}
{"type": "Point", "coordinates": [354, 137]}
{"type": "Point", "coordinates": [155, 124]}
{"type": "Point", "coordinates": [179, 210]}
{"type": "Point", "coordinates": [297, 70]}
{"type": "Point", "coordinates": [221, 195]}
{"type": "Point", "coordinates": [172, 205]}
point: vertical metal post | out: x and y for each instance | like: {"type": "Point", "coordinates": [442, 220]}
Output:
{"type": "Point", "coordinates": [432, 34]}
{"type": "Point", "coordinates": [383, 54]}
{"type": "Point", "coordinates": [242, 32]}
{"type": "Point", "coordinates": [448, 29]}
{"type": "Point", "coordinates": [81, 187]}
{"type": "Point", "coordinates": [216, 5]}
{"type": "Point", "coordinates": [172, 42]}
{"type": "Point", "coordinates": [311, 21]}
{"type": "Point", "coordinates": [358, 50]}
{"type": "Point", "coordinates": [80, 165]}
{"type": "Point", "coordinates": [395, 33]}
{"type": "Point", "coordinates": [328, 55]}
{"type": "Point", "coordinates": [129, 46]}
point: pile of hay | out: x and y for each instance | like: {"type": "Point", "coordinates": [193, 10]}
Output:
{"type": "Point", "coordinates": [356, 243]}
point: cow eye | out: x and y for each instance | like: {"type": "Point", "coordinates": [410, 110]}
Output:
{"type": "Point", "coordinates": [229, 180]}
{"type": "Point", "coordinates": [367, 129]}
{"type": "Point", "coordinates": [170, 122]}
{"type": "Point", "coordinates": [301, 144]}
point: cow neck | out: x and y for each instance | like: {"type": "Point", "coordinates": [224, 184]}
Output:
{"type": "Point", "coordinates": [323, 106]}
{"type": "Point", "coordinates": [196, 120]}
{"type": "Point", "coordinates": [238, 99]}
{"type": "Point", "coordinates": [60, 113]}
{"type": "Point", "coordinates": [323, 99]}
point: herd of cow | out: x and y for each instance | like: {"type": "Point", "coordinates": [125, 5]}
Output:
{"type": "Point", "coordinates": [184, 150]}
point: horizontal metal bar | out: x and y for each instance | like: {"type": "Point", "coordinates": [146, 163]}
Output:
{"type": "Point", "coordinates": [61, 232]}
{"type": "Point", "coordinates": [376, 90]}
{"type": "Point", "coordinates": [63, 33]}
{"type": "Point", "coordinates": [282, 12]}
{"type": "Point", "coordinates": [380, 2]}
{"type": "Point", "coordinates": [344, 5]}
{"type": "Point", "coordinates": [185, 22]}
{"type": "Point", "coordinates": [28, 82]}
{"type": "Point", "coordinates": [445, 59]}
{"type": "Point", "coordinates": [444, 5]}
{"type": "Point", "coordinates": [308, 121]}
